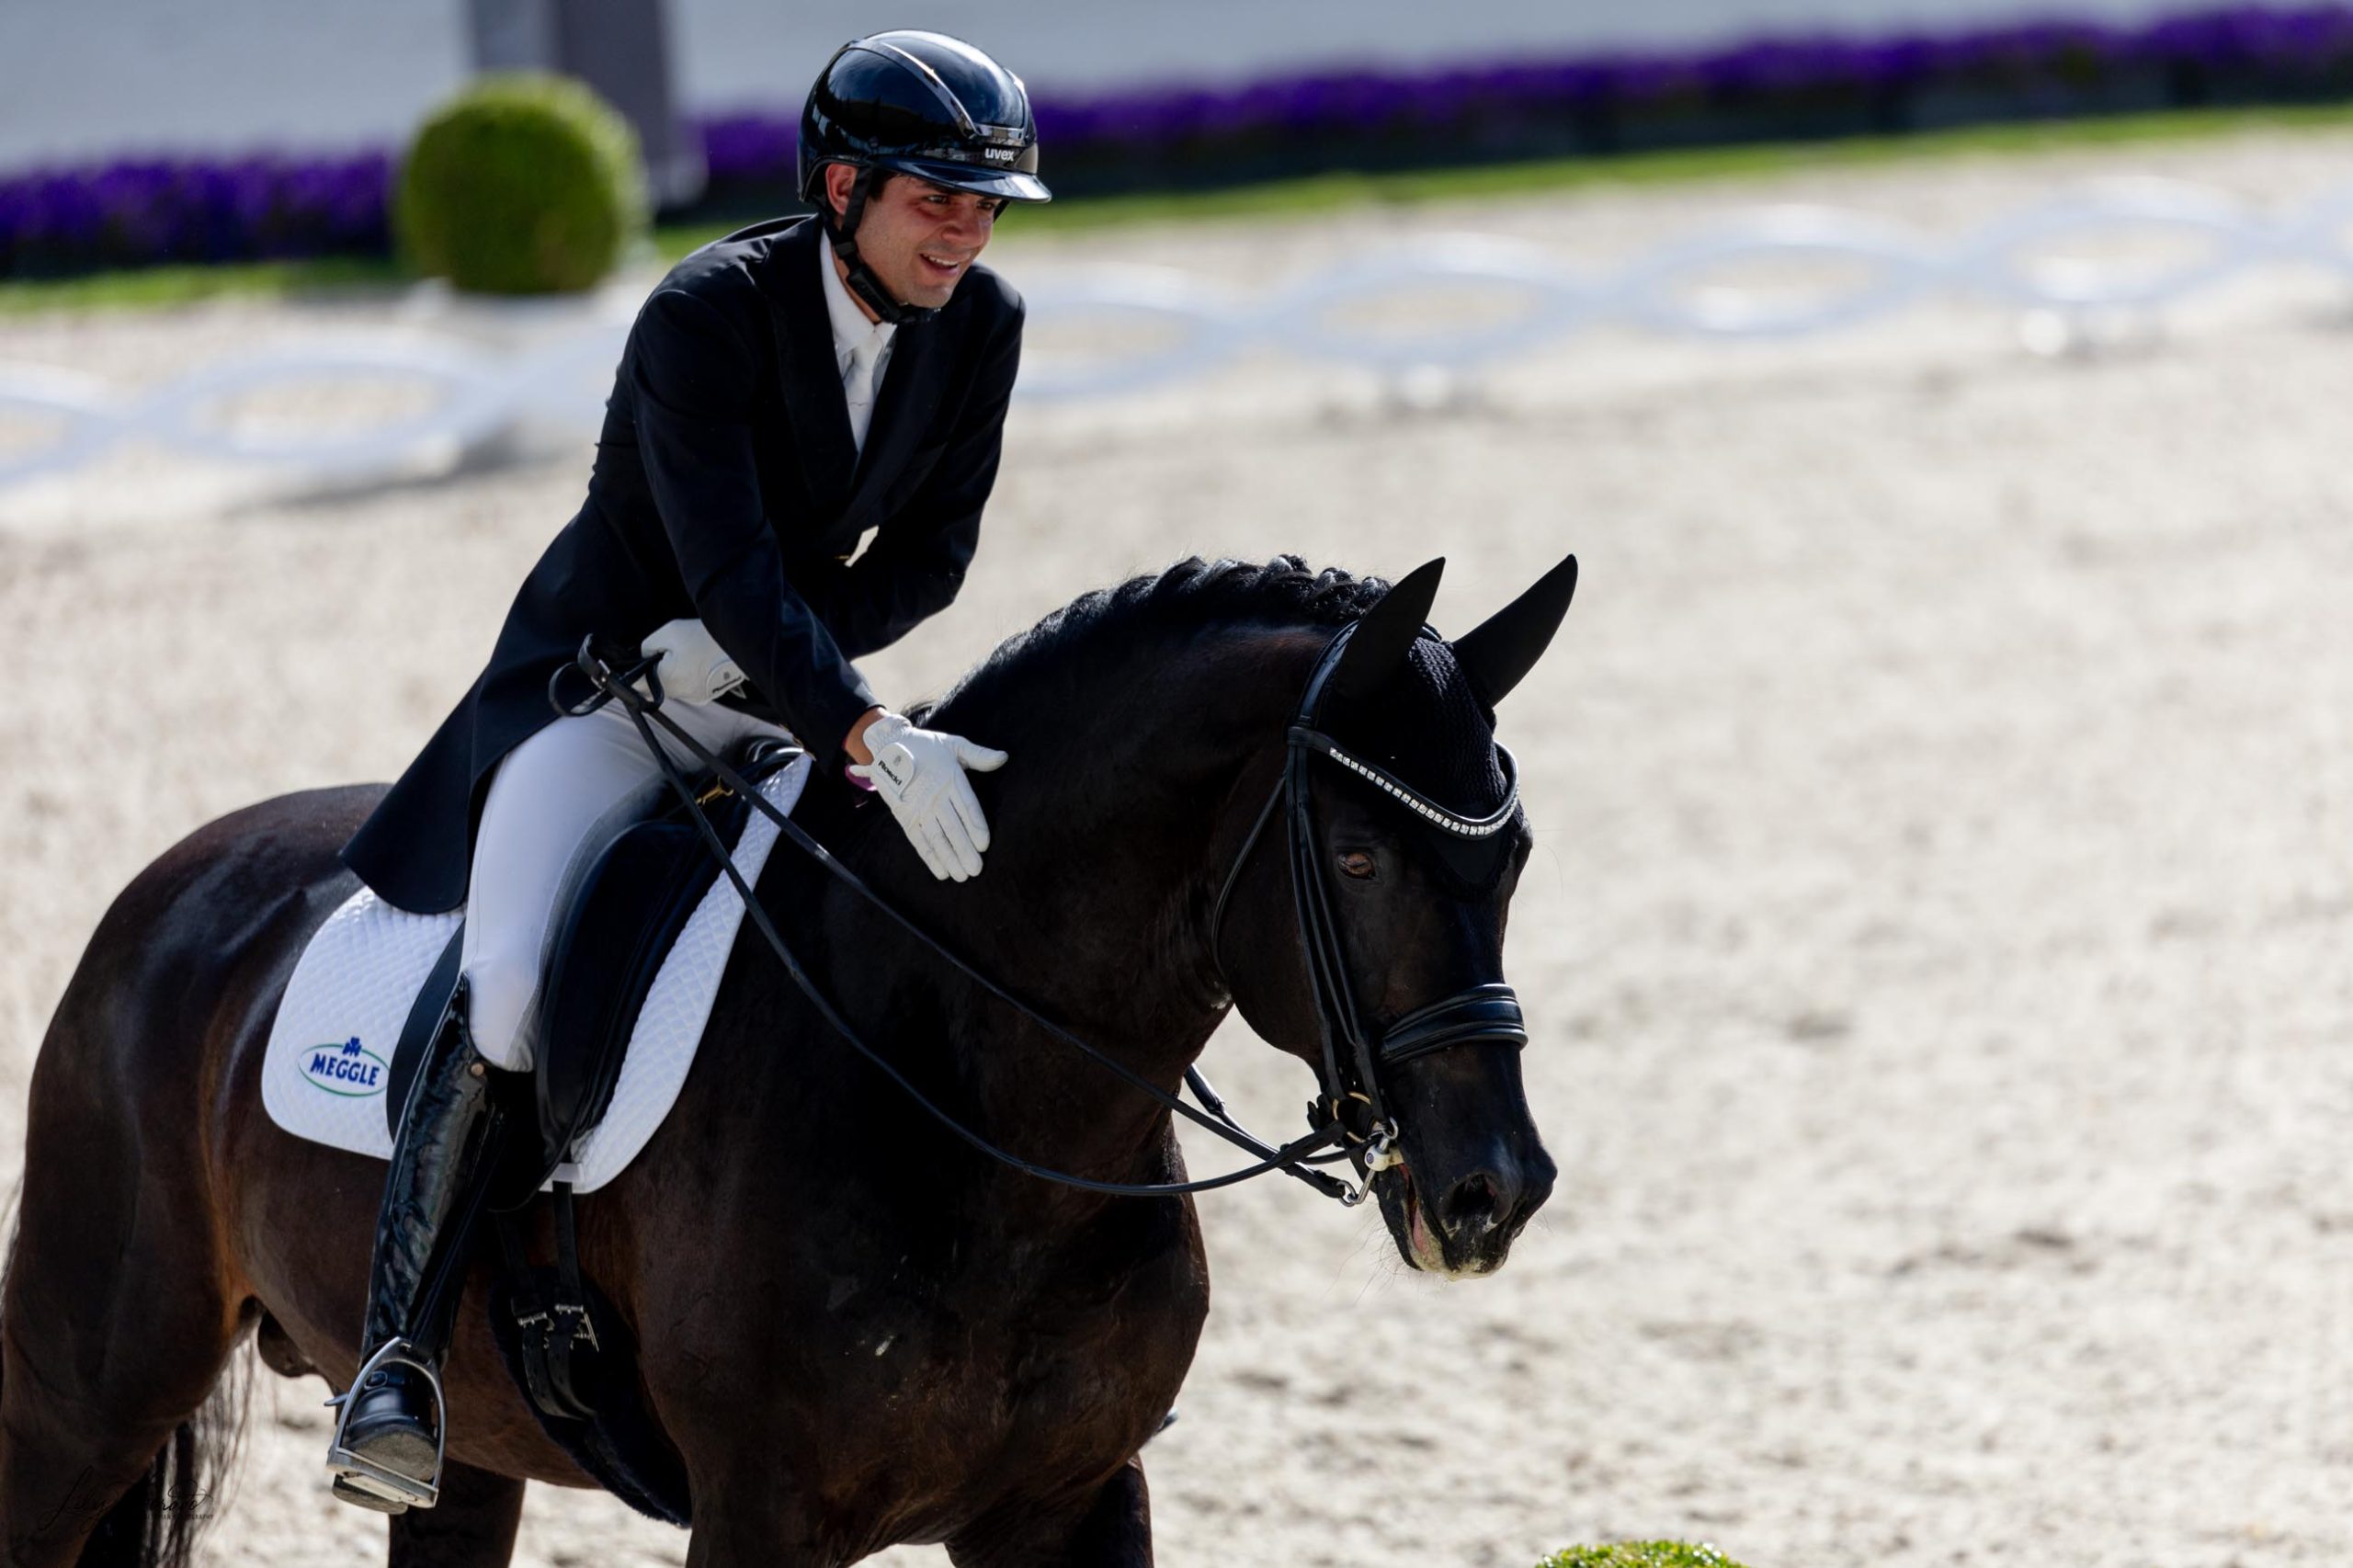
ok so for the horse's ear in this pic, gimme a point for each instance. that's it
(1376, 649)
(1505, 646)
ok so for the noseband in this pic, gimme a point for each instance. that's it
(1355, 1056)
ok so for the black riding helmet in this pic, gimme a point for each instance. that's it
(920, 104)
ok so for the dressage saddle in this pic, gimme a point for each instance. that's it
(630, 888)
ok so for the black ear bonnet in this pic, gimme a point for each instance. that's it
(1429, 726)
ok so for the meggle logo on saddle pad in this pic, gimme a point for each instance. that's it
(351, 1070)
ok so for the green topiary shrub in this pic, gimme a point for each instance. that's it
(522, 184)
(1640, 1555)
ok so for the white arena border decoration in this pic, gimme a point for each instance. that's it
(561, 380)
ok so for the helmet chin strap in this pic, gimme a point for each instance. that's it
(843, 231)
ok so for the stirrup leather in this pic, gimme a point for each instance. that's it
(366, 1475)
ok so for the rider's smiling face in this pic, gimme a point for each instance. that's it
(918, 237)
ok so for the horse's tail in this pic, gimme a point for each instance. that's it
(157, 1523)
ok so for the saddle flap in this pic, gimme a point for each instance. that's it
(624, 907)
(633, 900)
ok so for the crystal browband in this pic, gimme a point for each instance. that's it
(1390, 784)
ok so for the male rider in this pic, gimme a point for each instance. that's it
(783, 391)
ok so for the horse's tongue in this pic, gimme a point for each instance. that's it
(1417, 1232)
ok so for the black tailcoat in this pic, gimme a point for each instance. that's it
(727, 487)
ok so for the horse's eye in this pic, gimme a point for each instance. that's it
(1356, 863)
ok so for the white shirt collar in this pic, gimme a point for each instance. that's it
(850, 325)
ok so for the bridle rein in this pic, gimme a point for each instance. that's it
(1349, 1081)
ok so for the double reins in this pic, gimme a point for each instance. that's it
(1350, 1070)
(613, 683)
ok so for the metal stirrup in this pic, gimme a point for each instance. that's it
(364, 1474)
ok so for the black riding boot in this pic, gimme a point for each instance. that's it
(388, 1441)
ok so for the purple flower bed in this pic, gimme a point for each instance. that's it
(58, 221)
(66, 220)
(1770, 89)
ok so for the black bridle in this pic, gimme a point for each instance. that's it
(1488, 1013)
(1353, 1057)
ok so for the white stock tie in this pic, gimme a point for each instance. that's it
(857, 389)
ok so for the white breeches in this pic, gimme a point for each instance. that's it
(545, 798)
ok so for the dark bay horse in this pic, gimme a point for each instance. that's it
(856, 1330)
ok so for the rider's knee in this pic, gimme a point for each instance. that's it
(499, 1003)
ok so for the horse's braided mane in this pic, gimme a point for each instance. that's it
(1194, 594)
(1437, 735)
(1188, 597)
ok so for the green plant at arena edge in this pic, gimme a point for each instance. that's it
(1640, 1555)
(523, 184)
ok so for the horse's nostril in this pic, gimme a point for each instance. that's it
(1474, 1205)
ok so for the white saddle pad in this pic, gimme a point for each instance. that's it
(331, 1047)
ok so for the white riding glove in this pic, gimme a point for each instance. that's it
(920, 775)
(694, 667)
